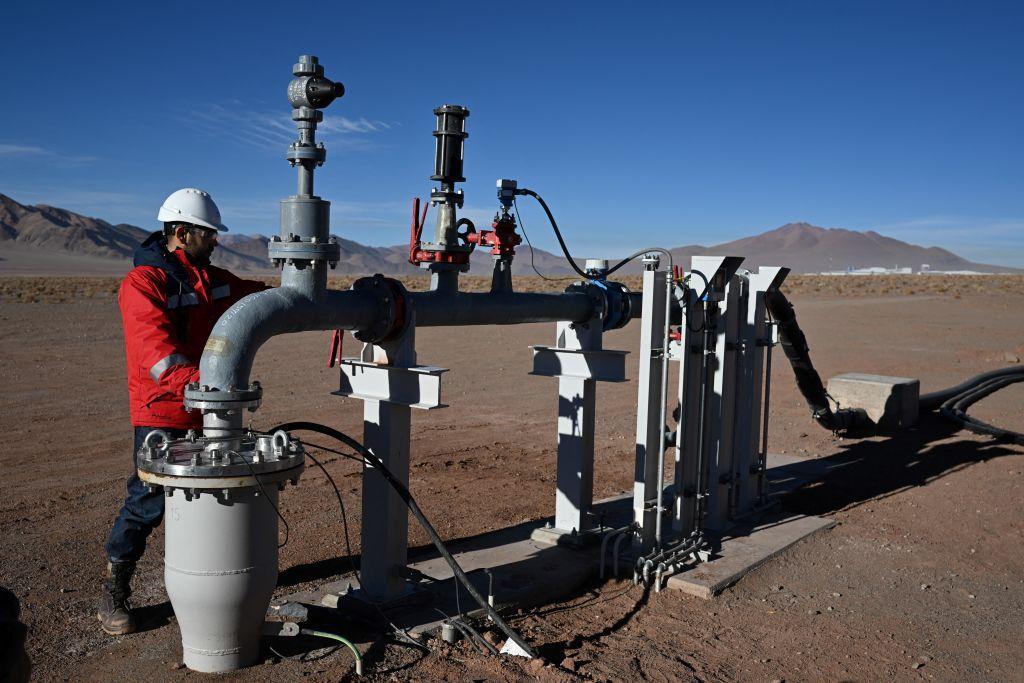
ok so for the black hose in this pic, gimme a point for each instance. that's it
(955, 408)
(935, 399)
(952, 403)
(794, 345)
(403, 493)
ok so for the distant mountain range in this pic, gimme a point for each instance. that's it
(44, 239)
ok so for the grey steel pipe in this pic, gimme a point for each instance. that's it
(246, 326)
(434, 309)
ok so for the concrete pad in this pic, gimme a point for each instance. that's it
(891, 402)
(528, 572)
(744, 550)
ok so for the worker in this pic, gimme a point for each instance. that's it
(169, 303)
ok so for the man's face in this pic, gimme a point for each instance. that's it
(198, 243)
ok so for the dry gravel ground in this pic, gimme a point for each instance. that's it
(922, 578)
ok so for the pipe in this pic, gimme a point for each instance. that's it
(435, 309)
(615, 552)
(604, 544)
(246, 326)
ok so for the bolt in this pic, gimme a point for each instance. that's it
(204, 388)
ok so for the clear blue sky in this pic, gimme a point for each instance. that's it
(660, 123)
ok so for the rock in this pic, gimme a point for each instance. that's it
(175, 666)
(813, 612)
(925, 586)
(917, 665)
(1011, 357)
(777, 588)
(568, 663)
(837, 595)
(534, 666)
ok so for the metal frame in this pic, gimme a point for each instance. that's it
(579, 362)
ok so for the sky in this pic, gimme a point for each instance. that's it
(641, 124)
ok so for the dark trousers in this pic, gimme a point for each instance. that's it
(142, 510)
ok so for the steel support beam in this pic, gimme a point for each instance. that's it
(650, 404)
(579, 362)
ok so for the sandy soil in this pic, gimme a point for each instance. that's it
(922, 578)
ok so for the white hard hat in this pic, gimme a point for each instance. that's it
(190, 205)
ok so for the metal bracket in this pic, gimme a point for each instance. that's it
(602, 366)
(417, 387)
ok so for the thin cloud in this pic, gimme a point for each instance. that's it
(263, 130)
(17, 151)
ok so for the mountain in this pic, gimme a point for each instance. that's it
(50, 228)
(47, 240)
(805, 248)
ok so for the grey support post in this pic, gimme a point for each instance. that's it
(751, 410)
(650, 405)
(722, 300)
(390, 384)
(579, 361)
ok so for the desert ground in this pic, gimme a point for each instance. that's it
(922, 578)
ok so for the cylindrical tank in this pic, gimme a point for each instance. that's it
(220, 525)
(220, 569)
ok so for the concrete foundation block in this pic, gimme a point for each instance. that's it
(891, 402)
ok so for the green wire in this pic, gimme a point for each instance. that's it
(343, 641)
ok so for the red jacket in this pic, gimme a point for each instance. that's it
(168, 308)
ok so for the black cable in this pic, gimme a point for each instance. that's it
(955, 408)
(935, 399)
(515, 207)
(287, 531)
(401, 633)
(558, 233)
(638, 254)
(341, 504)
(414, 508)
(686, 313)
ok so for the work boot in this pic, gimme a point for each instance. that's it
(115, 615)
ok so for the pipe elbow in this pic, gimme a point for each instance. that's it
(239, 333)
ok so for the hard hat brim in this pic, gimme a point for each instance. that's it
(166, 215)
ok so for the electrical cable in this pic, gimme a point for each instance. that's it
(638, 254)
(955, 408)
(515, 207)
(287, 531)
(401, 633)
(344, 517)
(558, 233)
(340, 639)
(403, 492)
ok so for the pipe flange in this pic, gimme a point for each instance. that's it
(305, 152)
(304, 249)
(184, 462)
(195, 485)
(392, 297)
(611, 299)
(206, 398)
